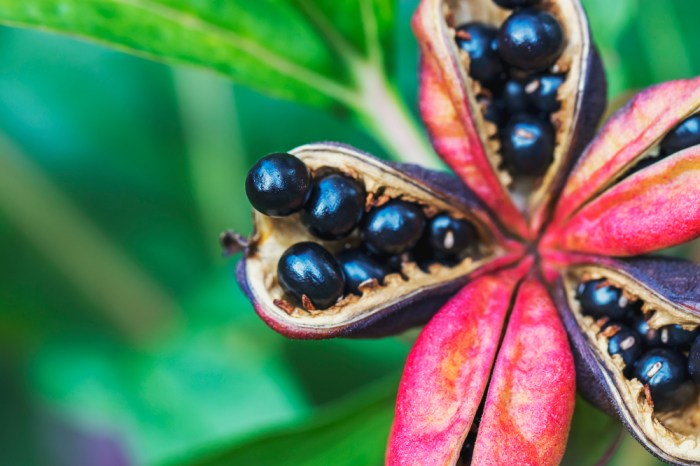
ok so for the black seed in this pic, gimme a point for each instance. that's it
(651, 338)
(309, 269)
(675, 336)
(335, 207)
(542, 92)
(393, 228)
(599, 300)
(278, 184)
(358, 267)
(513, 4)
(530, 40)
(665, 372)
(479, 41)
(514, 98)
(448, 237)
(396, 261)
(528, 145)
(686, 134)
(694, 361)
(627, 343)
(494, 110)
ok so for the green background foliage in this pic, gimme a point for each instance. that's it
(123, 337)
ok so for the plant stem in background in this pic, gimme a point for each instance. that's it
(387, 118)
(215, 152)
(115, 286)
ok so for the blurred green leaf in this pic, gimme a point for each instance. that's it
(293, 49)
(215, 380)
(352, 434)
(593, 436)
(330, 53)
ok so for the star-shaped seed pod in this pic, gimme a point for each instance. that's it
(528, 266)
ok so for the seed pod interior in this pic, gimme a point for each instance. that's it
(382, 183)
(575, 64)
(675, 431)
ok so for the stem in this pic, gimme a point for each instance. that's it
(387, 118)
(116, 286)
(215, 152)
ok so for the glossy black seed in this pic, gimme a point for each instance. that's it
(651, 338)
(528, 145)
(514, 98)
(393, 228)
(598, 300)
(358, 267)
(675, 336)
(278, 184)
(310, 269)
(479, 41)
(627, 343)
(448, 237)
(665, 372)
(513, 4)
(694, 361)
(335, 207)
(542, 92)
(530, 40)
(686, 134)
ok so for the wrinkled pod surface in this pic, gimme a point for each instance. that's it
(634, 327)
(380, 273)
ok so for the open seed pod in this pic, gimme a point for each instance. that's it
(662, 302)
(617, 199)
(550, 258)
(454, 105)
(420, 286)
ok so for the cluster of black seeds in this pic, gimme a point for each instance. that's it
(514, 64)
(332, 206)
(666, 360)
(686, 134)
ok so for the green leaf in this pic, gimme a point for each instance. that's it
(593, 436)
(292, 49)
(349, 435)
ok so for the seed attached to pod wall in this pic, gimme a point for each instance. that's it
(359, 267)
(478, 40)
(627, 343)
(308, 270)
(651, 338)
(675, 336)
(601, 300)
(528, 145)
(542, 93)
(335, 207)
(514, 98)
(448, 237)
(278, 184)
(664, 371)
(393, 228)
